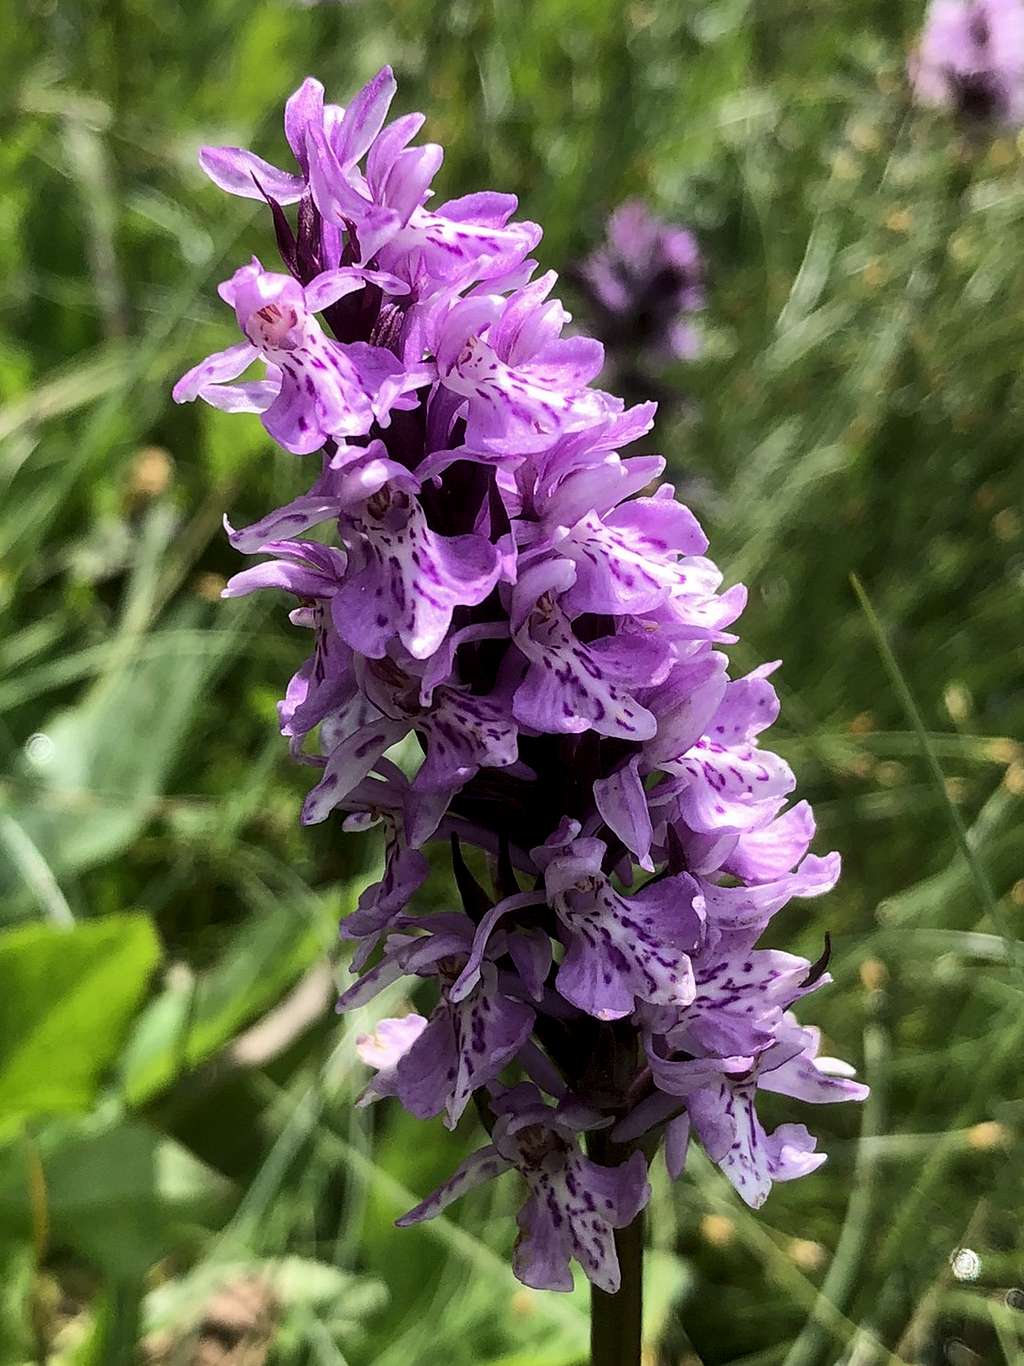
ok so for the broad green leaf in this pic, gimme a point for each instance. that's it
(122, 1197)
(66, 999)
(190, 1020)
(108, 757)
(110, 754)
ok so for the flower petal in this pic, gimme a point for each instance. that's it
(622, 802)
(237, 170)
(347, 765)
(304, 107)
(490, 1029)
(364, 117)
(481, 1166)
(222, 365)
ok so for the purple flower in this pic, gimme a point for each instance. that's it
(243, 173)
(776, 848)
(620, 950)
(571, 686)
(723, 781)
(971, 59)
(461, 733)
(517, 652)
(403, 578)
(462, 240)
(385, 1047)
(719, 1096)
(380, 905)
(739, 907)
(407, 579)
(573, 1204)
(315, 388)
(528, 384)
(466, 1041)
(621, 801)
(644, 282)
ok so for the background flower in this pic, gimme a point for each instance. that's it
(971, 59)
(643, 282)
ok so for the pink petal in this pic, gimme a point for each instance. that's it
(237, 170)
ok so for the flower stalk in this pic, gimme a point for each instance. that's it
(616, 1321)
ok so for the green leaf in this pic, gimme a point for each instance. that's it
(113, 1336)
(67, 999)
(121, 1197)
(667, 1280)
(112, 753)
(191, 1020)
(17, 1267)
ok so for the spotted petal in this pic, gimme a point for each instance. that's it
(738, 908)
(215, 369)
(771, 852)
(571, 687)
(464, 733)
(483, 1165)
(618, 949)
(490, 1028)
(752, 1160)
(572, 1213)
(411, 579)
(348, 764)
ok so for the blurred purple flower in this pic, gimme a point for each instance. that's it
(643, 283)
(971, 59)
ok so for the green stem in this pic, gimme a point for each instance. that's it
(616, 1320)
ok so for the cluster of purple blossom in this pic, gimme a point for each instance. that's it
(539, 614)
(642, 284)
(971, 59)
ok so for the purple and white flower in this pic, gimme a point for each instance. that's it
(466, 1041)
(644, 283)
(719, 1096)
(572, 1205)
(518, 651)
(971, 59)
(315, 388)
(620, 950)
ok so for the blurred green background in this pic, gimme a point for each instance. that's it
(183, 1178)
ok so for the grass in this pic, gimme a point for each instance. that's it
(180, 1151)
